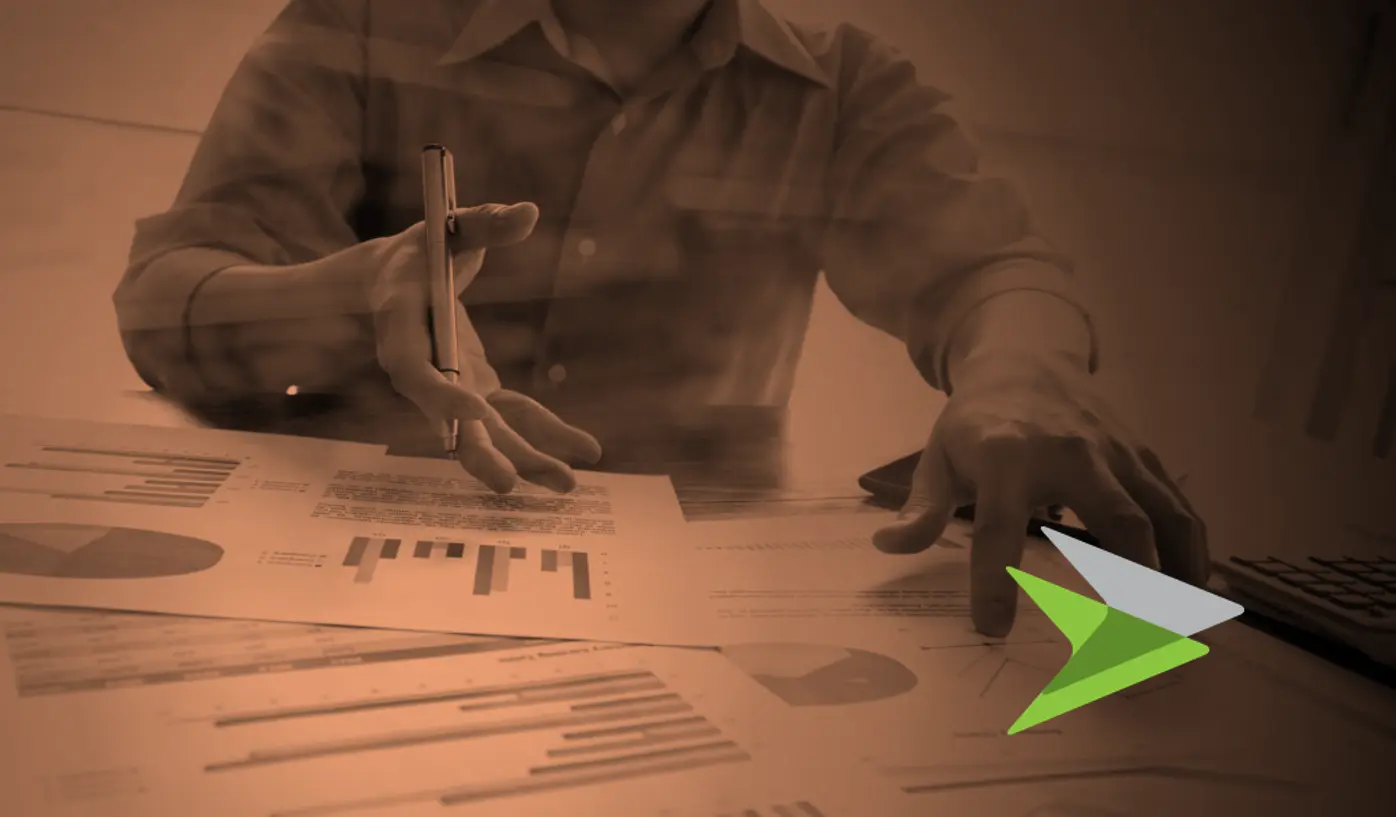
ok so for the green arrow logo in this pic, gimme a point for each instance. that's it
(1141, 630)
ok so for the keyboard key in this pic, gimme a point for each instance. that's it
(1268, 567)
(1386, 601)
(1351, 601)
(1324, 589)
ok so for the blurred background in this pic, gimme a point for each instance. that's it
(1219, 170)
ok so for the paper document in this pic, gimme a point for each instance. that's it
(314, 532)
(936, 718)
(578, 728)
(819, 577)
(66, 466)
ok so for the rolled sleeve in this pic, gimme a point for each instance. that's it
(917, 237)
(273, 182)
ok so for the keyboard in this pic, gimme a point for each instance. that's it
(1350, 599)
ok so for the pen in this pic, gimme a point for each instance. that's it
(439, 198)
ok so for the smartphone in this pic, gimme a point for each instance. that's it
(890, 487)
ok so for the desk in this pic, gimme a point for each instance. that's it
(1334, 734)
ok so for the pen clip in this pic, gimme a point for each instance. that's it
(448, 177)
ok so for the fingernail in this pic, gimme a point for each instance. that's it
(504, 485)
(994, 618)
(559, 482)
(895, 539)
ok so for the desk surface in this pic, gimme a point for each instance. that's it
(1340, 729)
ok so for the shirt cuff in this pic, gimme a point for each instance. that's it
(153, 307)
(931, 351)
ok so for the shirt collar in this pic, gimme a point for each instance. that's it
(728, 24)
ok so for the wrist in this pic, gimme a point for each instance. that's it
(1022, 329)
(993, 369)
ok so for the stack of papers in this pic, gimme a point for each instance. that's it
(217, 623)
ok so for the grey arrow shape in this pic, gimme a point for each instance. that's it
(1143, 592)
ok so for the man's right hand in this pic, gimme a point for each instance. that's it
(504, 435)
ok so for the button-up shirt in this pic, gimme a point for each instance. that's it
(684, 221)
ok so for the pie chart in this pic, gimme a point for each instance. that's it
(62, 551)
(820, 675)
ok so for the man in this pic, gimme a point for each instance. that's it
(677, 173)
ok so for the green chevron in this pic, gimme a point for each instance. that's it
(1110, 651)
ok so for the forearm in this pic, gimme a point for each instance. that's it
(1024, 323)
(206, 326)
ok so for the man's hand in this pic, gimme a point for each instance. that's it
(1023, 431)
(503, 435)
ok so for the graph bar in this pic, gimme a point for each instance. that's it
(442, 696)
(500, 580)
(177, 464)
(59, 449)
(117, 472)
(405, 739)
(484, 569)
(634, 728)
(390, 548)
(621, 760)
(121, 500)
(364, 574)
(549, 561)
(518, 553)
(151, 495)
(356, 551)
(455, 550)
(515, 700)
(423, 550)
(586, 777)
(616, 703)
(581, 576)
(636, 742)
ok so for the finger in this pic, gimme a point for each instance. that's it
(529, 462)
(545, 430)
(928, 508)
(1180, 530)
(1110, 511)
(492, 225)
(476, 452)
(1002, 510)
(438, 398)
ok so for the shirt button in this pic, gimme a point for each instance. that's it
(618, 124)
(557, 373)
(586, 247)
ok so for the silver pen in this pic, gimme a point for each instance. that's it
(439, 198)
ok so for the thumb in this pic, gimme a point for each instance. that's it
(927, 510)
(492, 225)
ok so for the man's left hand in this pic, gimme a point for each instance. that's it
(1023, 431)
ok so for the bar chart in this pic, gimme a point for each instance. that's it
(491, 568)
(55, 652)
(583, 730)
(119, 476)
